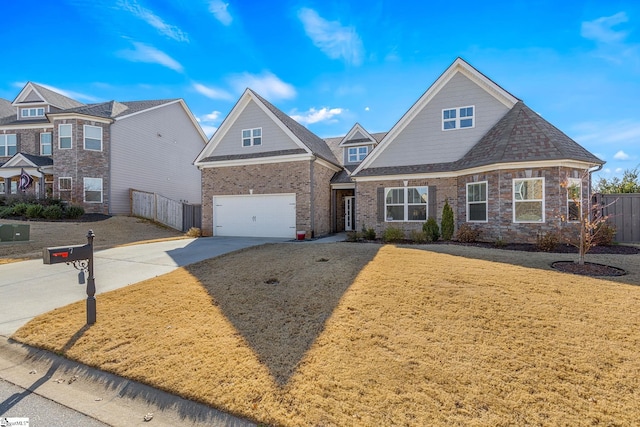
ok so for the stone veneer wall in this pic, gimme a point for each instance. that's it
(271, 178)
(500, 225)
(79, 163)
(321, 200)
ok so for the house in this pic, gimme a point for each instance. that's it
(501, 166)
(91, 155)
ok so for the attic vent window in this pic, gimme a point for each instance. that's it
(357, 154)
(32, 112)
(251, 137)
(458, 118)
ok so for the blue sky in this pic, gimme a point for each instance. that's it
(330, 64)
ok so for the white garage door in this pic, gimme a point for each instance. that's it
(256, 215)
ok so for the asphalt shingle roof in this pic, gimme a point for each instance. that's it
(114, 109)
(56, 99)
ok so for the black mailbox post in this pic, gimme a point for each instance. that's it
(81, 256)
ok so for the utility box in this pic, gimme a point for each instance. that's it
(14, 232)
(66, 254)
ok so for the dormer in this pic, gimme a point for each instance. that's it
(356, 145)
(35, 101)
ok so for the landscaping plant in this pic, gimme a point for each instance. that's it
(447, 224)
(431, 230)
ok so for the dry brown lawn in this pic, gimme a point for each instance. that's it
(113, 231)
(361, 334)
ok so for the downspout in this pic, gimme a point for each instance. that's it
(591, 170)
(311, 194)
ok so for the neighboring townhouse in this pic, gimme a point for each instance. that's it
(91, 155)
(501, 167)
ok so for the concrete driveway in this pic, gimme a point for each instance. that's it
(30, 288)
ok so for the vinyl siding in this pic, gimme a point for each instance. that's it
(423, 141)
(154, 151)
(273, 137)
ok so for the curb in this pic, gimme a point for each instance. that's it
(108, 398)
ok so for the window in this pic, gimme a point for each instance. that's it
(251, 137)
(406, 204)
(8, 145)
(92, 138)
(357, 154)
(528, 200)
(3, 186)
(14, 186)
(93, 190)
(458, 118)
(45, 144)
(477, 202)
(64, 136)
(32, 112)
(64, 188)
(574, 199)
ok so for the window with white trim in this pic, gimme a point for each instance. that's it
(93, 190)
(14, 185)
(458, 118)
(528, 200)
(92, 138)
(8, 145)
(406, 204)
(477, 202)
(574, 199)
(32, 112)
(64, 136)
(251, 137)
(357, 154)
(64, 187)
(45, 144)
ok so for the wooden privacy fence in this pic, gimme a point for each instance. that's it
(623, 211)
(174, 214)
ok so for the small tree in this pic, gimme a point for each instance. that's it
(588, 219)
(630, 183)
(447, 224)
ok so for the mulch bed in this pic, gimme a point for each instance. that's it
(588, 269)
(560, 249)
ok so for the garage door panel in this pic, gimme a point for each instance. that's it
(262, 215)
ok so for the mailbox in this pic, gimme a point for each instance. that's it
(66, 254)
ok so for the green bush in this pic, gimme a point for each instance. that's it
(447, 224)
(74, 212)
(34, 211)
(547, 242)
(466, 234)
(393, 234)
(604, 234)
(6, 211)
(20, 209)
(418, 236)
(52, 212)
(369, 234)
(353, 236)
(431, 230)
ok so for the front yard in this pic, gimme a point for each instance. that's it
(363, 334)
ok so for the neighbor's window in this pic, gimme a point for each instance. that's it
(477, 201)
(458, 118)
(8, 145)
(3, 186)
(64, 187)
(251, 137)
(406, 204)
(64, 136)
(574, 199)
(528, 200)
(357, 154)
(32, 112)
(45, 144)
(14, 185)
(92, 138)
(93, 190)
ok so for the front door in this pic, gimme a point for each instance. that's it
(349, 211)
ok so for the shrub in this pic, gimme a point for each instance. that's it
(431, 230)
(547, 242)
(52, 212)
(34, 211)
(447, 224)
(369, 234)
(604, 234)
(499, 243)
(6, 211)
(353, 236)
(20, 209)
(466, 234)
(194, 232)
(392, 234)
(74, 212)
(418, 236)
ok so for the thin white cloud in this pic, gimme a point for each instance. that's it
(208, 130)
(211, 117)
(155, 21)
(145, 53)
(267, 85)
(314, 116)
(621, 155)
(221, 12)
(601, 30)
(212, 93)
(334, 39)
(621, 133)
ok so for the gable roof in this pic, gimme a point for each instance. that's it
(6, 109)
(44, 95)
(24, 159)
(303, 137)
(520, 136)
(458, 66)
(115, 109)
